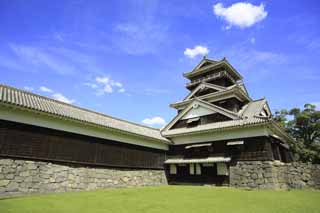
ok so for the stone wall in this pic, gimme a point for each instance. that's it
(22, 177)
(274, 175)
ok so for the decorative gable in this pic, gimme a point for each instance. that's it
(197, 111)
(203, 63)
(198, 108)
(206, 63)
(265, 112)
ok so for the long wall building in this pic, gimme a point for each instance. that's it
(217, 125)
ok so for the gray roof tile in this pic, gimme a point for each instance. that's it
(216, 126)
(253, 108)
(249, 115)
(23, 99)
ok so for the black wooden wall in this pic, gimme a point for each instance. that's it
(30, 142)
(256, 148)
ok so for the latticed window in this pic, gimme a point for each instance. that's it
(173, 169)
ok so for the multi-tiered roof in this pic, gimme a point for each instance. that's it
(218, 99)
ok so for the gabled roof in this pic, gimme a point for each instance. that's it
(254, 108)
(17, 98)
(249, 115)
(203, 62)
(202, 86)
(239, 123)
(198, 102)
(214, 64)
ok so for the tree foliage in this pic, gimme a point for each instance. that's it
(304, 126)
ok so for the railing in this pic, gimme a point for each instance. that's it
(211, 77)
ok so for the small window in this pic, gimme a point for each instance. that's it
(191, 169)
(193, 123)
(234, 143)
(222, 169)
(198, 169)
(173, 169)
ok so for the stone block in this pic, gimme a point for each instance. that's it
(254, 176)
(12, 187)
(25, 173)
(6, 161)
(4, 183)
(9, 176)
(31, 166)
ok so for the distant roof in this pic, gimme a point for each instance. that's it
(207, 65)
(23, 99)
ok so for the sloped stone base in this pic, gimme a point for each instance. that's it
(274, 175)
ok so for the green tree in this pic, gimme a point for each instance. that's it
(304, 126)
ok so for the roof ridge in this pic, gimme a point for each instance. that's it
(74, 106)
(212, 60)
(260, 99)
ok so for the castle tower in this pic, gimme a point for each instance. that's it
(217, 124)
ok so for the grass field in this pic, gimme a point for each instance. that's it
(177, 199)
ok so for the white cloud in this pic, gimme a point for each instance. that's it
(105, 85)
(56, 95)
(155, 121)
(121, 90)
(317, 104)
(93, 86)
(117, 84)
(241, 14)
(103, 80)
(45, 89)
(60, 97)
(28, 88)
(197, 50)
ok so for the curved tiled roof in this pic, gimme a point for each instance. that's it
(217, 126)
(213, 64)
(253, 108)
(31, 101)
(234, 89)
(248, 115)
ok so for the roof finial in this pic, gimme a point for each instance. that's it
(224, 58)
(205, 56)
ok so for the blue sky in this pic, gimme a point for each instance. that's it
(126, 58)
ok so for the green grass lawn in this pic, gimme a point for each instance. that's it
(177, 199)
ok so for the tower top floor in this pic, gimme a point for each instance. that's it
(219, 72)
